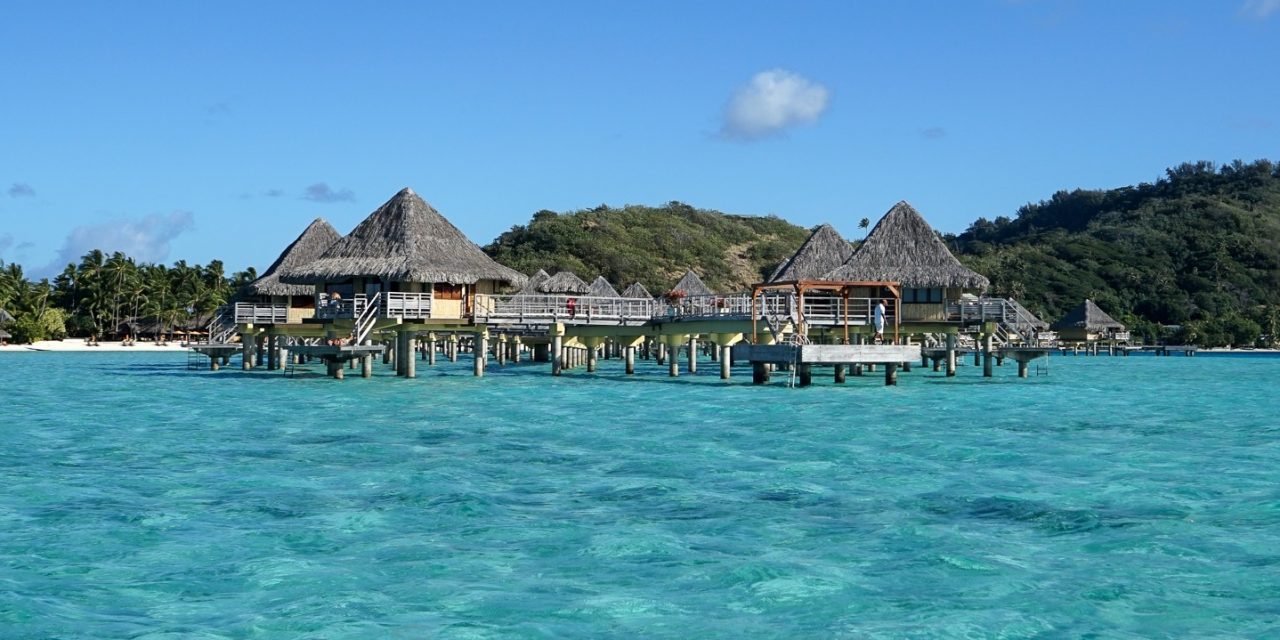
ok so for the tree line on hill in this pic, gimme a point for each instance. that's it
(1193, 257)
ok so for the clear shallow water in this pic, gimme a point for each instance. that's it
(1122, 497)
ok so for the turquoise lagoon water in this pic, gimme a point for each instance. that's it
(1114, 497)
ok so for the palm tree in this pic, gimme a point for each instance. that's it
(863, 224)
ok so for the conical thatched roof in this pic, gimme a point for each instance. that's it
(565, 282)
(637, 290)
(904, 248)
(533, 286)
(824, 251)
(5, 317)
(1088, 316)
(405, 240)
(5, 334)
(315, 239)
(600, 288)
(692, 285)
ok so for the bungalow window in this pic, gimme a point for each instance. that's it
(446, 291)
(922, 296)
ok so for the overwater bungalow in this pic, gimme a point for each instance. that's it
(600, 288)
(534, 285)
(565, 282)
(268, 300)
(904, 248)
(410, 260)
(824, 251)
(1089, 323)
(637, 291)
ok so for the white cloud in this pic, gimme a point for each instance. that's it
(322, 192)
(1260, 9)
(145, 239)
(771, 102)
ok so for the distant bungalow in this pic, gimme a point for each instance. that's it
(1089, 323)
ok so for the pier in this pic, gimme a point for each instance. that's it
(407, 286)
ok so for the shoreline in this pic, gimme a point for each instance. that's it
(77, 345)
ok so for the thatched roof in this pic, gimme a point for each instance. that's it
(824, 251)
(405, 240)
(600, 288)
(533, 286)
(904, 248)
(692, 285)
(565, 282)
(1088, 316)
(637, 290)
(5, 317)
(5, 334)
(313, 242)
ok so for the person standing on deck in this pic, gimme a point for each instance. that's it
(878, 322)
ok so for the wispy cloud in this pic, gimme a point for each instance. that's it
(1259, 9)
(21, 190)
(1249, 123)
(771, 102)
(322, 192)
(6, 241)
(145, 239)
(273, 193)
(933, 133)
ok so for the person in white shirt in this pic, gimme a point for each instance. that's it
(878, 322)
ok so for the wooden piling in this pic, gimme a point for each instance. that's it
(890, 374)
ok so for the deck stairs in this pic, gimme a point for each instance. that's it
(366, 319)
(223, 326)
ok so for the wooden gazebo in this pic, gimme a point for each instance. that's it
(842, 287)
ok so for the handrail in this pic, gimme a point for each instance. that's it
(367, 318)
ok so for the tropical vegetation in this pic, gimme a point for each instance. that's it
(111, 295)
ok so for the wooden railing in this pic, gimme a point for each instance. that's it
(259, 313)
(390, 304)
(536, 309)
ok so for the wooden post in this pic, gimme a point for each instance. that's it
(388, 351)
(662, 353)
(259, 348)
(806, 374)
(213, 362)
(273, 358)
(339, 371)
(366, 365)
(246, 348)
(1022, 368)
(987, 356)
(840, 374)
(906, 367)
(977, 351)
(890, 374)
(673, 361)
(453, 347)
(951, 355)
(592, 357)
(431, 349)
(725, 361)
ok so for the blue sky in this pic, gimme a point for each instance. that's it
(220, 130)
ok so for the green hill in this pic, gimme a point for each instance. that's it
(651, 245)
(1199, 249)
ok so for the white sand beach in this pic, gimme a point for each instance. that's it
(79, 344)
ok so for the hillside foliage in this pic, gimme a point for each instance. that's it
(650, 245)
(1193, 256)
